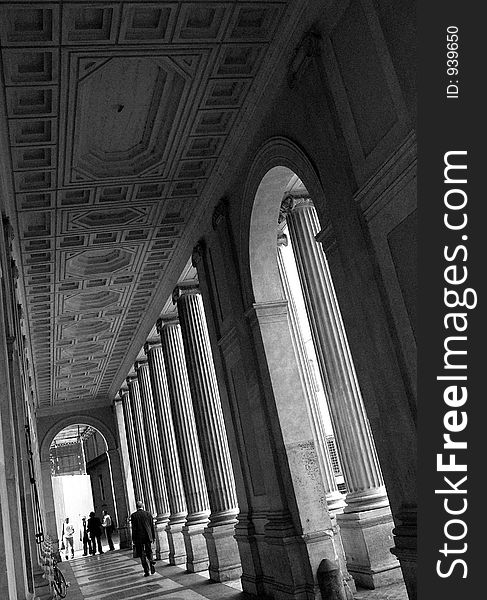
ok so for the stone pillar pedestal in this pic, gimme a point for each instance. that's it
(224, 561)
(368, 539)
(187, 445)
(177, 546)
(196, 547)
(366, 497)
(162, 541)
(222, 547)
(125, 536)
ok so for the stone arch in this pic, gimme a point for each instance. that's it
(112, 450)
(274, 163)
(73, 419)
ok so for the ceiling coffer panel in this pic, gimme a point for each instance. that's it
(118, 114)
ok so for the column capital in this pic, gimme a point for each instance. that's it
(282, 239)
(151, 344)
(293, 201)
(141, 362)
(185, 290)
(172, 319)
(130, 379)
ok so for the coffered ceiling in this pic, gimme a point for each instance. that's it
(117, 119)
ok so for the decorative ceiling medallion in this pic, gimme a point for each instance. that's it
(86, 327)
(94, 262)
(85, 301)
(126, 111)
(105, 217)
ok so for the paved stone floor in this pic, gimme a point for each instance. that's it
(117, 576)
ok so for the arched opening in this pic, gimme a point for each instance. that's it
(81, 475)
(287, 263)
(82, 483)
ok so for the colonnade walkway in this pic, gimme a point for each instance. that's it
(117, 576)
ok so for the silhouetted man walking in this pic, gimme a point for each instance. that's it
(143, 535)
(95, 529)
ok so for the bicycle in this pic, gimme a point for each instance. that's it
(59, 583)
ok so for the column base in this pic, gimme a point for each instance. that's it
(125, 537)
(42, 590)
(196, 550)
(367, 540)
(177, 548)
(405, 538)
(162, 542)
(335, 502)
(290, 561)
(248, 542)
(224, 559)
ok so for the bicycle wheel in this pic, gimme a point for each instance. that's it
(60, 583)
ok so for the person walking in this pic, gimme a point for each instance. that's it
(143, 535)
(68, 536)
(95, 530)
(108, 527)
(84, 537)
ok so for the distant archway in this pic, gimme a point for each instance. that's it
(74, 419)
(107, 490)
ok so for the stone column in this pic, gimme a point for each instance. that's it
(169, 453)
(222, 547)
(193, 477)
(124, 460)
(119, 496)
(366, 523)
(132, 445)
(156, 468)
(334, 498)
(141, 443)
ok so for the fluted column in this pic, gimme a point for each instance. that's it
(367, 499)
(141, 443)
(132, 445)
(156, 468)
(124, 460)
(193, 477)
(334, 498)
(222, 548)
(169, 453)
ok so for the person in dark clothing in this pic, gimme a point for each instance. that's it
(95, 530)
(143, 535)
(84, 537)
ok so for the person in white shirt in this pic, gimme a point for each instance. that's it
(108, 527)
(68, 536)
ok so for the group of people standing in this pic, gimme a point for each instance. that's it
(90, 533)
(91, 530)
